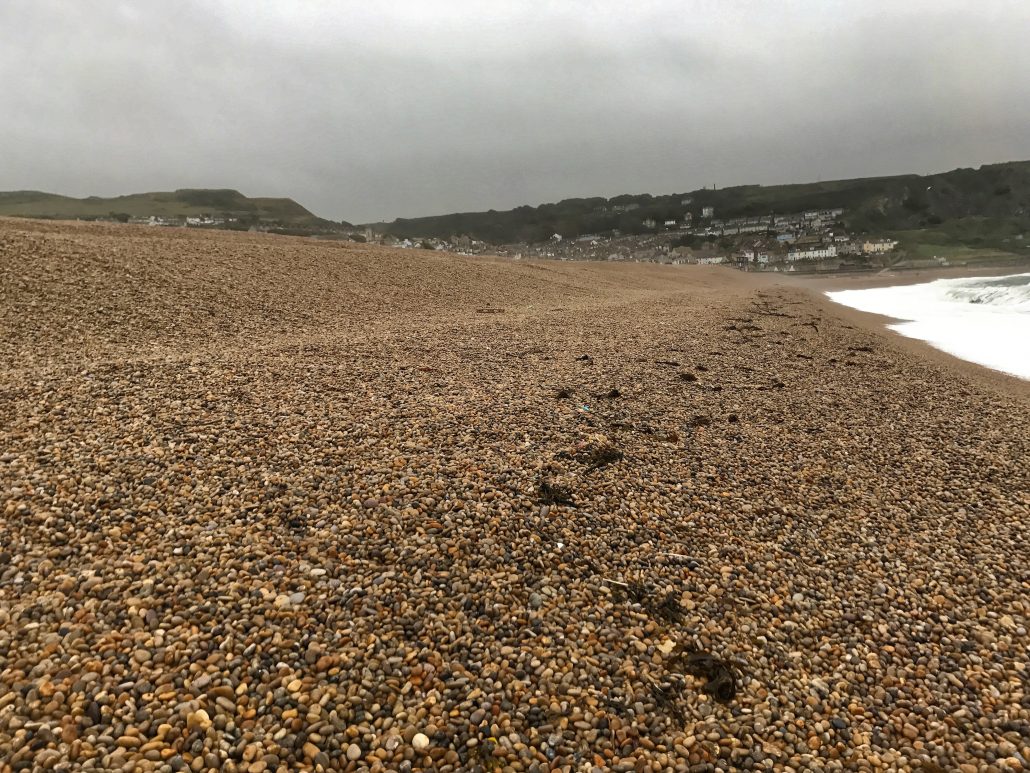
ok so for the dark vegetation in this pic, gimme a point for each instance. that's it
(974, 207)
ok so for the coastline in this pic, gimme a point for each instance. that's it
(888, 278)
(817, 287)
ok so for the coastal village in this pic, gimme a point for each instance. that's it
(800, 241)
(807, 241)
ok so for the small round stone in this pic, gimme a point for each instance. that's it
(420, 742)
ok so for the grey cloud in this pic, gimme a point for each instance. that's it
(363, 113)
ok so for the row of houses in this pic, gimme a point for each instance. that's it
(818, 251)
(179, 220)
(764, 254)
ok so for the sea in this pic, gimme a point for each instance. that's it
(985, 320)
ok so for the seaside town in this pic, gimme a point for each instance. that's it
(810, 240)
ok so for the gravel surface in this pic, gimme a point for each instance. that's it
(270, 504)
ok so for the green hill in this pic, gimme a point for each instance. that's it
(986, 207)
(186, 202)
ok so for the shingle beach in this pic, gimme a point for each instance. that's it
(275, 504)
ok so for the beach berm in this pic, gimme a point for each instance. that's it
(276, 504)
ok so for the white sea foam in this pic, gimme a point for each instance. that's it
(984, 320)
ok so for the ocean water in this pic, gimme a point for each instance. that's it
(984, 320)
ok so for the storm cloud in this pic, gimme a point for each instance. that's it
(367, 111)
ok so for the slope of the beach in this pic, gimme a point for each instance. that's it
(274, 504)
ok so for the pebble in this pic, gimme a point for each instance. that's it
(198, 720)
(420, 742)
(249, 521)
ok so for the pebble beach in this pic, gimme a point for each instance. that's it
(277, 504)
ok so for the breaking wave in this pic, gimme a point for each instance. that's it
(1006, 292)
(984, 320)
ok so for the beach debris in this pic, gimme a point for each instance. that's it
(602, 456)
(666, 606)
(682, 559)
(666, 697)
(670, 363)
(766, 308)
(623, 589)
(489, 310)
(720, 675)
(669, 608)
(596, 451)
(584, 358)
(563, 394)
(611, 394)
(700, 421)
(687, 376)
(553, 493)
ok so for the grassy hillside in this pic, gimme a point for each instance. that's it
(185, 202)
(987, 207)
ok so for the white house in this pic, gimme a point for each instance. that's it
(754, 254)
(812, 252)
(707, 211)
(870, 246)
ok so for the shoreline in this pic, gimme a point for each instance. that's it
(888, 278)
(816, 289)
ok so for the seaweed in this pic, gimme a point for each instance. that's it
(720, 675)
(552, 493)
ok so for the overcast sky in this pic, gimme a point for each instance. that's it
(374, 110)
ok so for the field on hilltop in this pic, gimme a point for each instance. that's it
(185, 202)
